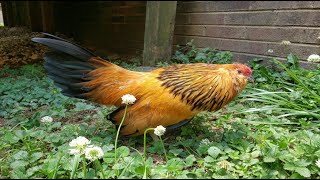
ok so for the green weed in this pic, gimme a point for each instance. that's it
(262, 134)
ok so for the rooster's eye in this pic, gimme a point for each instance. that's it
(239, 71)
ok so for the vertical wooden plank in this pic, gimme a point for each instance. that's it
(22, 13)
(13, 18)
(160, 19)
(35, 15)
(15, 13)
(48, 24)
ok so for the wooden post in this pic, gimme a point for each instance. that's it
(158, 35)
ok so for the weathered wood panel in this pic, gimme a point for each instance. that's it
(257, 33)
(254, 47)
(259, 18)
(251, 27)
(230, 6)
(159, 29)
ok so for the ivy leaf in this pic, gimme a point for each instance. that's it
(156, 147)
(176, 152)
(175, 164)
(18, 164)
(303, 171)
(107, 148)
(214, 151)
(21, 155)
(50, 164)
(262, 79)
(91, 174)
(53, 138)
(18, 174)
(200, 56)
(293, 60)
(109, 157)
(289, 166)
(20, 133)
(75, 164)
(33, 170)
(302, 163)
(80, 106)
(190, 160)
(35, 156)
(40, 134)
(65, 162)
(209, 159)
(268, 159)
(123, 151)
(118, 166)
(255, 154)
(11, 138)
(317, 153)
(56, 125)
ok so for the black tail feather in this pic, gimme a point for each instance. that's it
(67, 65)
(65, 47)
(46, 35)
(55, 58)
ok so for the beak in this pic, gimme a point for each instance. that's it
(250, 79)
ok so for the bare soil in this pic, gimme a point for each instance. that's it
(17, 49)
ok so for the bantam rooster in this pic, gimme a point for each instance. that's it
(169, 96)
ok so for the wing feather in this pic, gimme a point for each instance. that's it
(202, 86)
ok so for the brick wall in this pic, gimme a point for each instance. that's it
(106, 26)
(128, 23)
(88, 22)
(250, 28)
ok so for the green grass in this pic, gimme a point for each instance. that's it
(1, 24)
(262, 134)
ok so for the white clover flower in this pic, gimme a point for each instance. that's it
(128, 99)
(270, 50)
(93, 153)
(159, 130)
(79, 142)
(284, 42)
(224, 164)
(79, 145)
(318, 163)
(46, 119)
(74, 151)
(205, 141)
(314, 58)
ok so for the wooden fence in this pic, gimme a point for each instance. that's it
(248, 29)
(251, 28)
